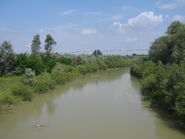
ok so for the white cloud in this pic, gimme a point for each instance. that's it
(132, 39)
(145, 18)
(178, 17)
(68, 12)
(142, 21)
(89, 31)
(174, 4)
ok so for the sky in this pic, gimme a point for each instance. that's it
(83, 25)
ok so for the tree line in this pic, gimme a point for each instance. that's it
(16, 64)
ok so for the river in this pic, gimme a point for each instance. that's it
(102, 105)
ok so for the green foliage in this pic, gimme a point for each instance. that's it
(65, 60)
(29, 77)
(97, 53)
(171, 47)
(61, 77)
(49, 62)
(174, 27)
(102, 63)
(25, 61)
(7, 58)
(23, 91)
(78, 60)
(92, 67)
(35, 46)
(115, 61)
(143, 69)
(44, 83)
(159, 50)
(68, 68)
(82, 69)
(8, 98)
(49, 42)
(164, 85)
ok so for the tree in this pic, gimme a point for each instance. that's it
(97, 53)
(7, 58)
(171, 47)
(35, 46)
(49, 42)
(174, 27)
(24, 61)
(160, 51)
(178, 49)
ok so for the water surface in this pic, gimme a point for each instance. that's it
(103, 105)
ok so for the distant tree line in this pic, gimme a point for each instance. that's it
(39, 62)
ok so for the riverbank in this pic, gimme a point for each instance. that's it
(163, 87)
(14, 91)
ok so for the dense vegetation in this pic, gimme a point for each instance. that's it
(25, 75)
(163, 72)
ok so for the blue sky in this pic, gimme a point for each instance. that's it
(88, 24)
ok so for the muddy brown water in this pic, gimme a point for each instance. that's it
(102, 105)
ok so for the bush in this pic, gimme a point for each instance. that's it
(62, 68)
(143, 69)
(23, 91)
(65, 60)
(92, 67)
(49, 62)
(58, 68)
(8, 98)
(68, 68)
(44, 83)
(164, 86)
(82, 69)
(29, 77)
(24, 61)
(61, 77)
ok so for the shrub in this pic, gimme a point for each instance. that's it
(61, 77)
(29, 77)
(82, 69)
(143, 69)
(68, 68)
(24, 61)
(92, 67)
(7, 98)
(65, 60)
(44, 83)
(23, 91)
(58, 68)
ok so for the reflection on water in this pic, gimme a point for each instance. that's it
(103, 105)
